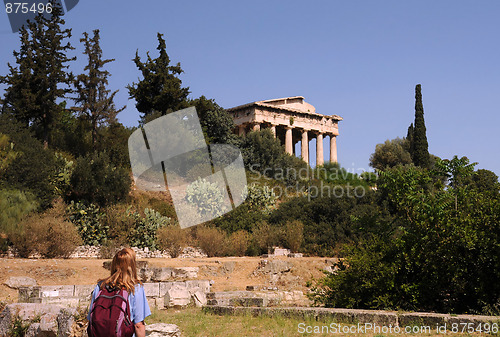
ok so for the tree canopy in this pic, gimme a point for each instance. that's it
(160, 89)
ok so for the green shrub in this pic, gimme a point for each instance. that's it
(172, 239)
(143, 234)
(14, 205)
(89, 222)
(7, 153)
(33, 170)
(243, 217)
(119, 223)
(96, 180)
(260, 197)
(206, 196)
(263, 153)
(62, 179)
(48, 234)
(18, 328)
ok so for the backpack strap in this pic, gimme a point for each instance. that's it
(126, 305)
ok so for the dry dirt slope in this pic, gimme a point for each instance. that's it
(87, 271)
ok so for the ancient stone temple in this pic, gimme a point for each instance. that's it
(291, 119)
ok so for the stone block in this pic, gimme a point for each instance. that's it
(177, 296)
(66, 322)
(145, 274)
(62, 301)
(200, 298)
(185, 272)
(204, 285)
(160, 302)
(57, 291)
(165, 286)
(17, 282)
(48, 325)
(248, 302)
(161, 274)
(162, 330)
(84, 291)
(33, 330)
(25, 294)
(152, 289)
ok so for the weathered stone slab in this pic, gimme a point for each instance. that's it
(66, 321)
(62, 301)
(204, 285)
(28, 292)
(57, 291)
(185, 272)
(17, 282)
(162, 274)
(152, 289)
(84, 291)
(248, 302)
(200, 298)
(177, 296)
(165, 286)
(162, 330)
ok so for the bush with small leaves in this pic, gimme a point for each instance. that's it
(89, 222)
(260, 197)
(96, 180)
(206, 196)
(144, 231)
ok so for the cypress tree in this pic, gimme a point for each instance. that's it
(409, 139)
(420, 147)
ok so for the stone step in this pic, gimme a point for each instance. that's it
(240, 302)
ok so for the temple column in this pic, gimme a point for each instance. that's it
(273, 129)
(241, 130)
(288, 140)
(256, 127)
(333, 149)
(319, 149)
(304, 153)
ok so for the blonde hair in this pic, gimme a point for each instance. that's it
(123, 271)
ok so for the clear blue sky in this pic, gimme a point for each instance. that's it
(358, 59)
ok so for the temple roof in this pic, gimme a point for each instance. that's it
(292, 104)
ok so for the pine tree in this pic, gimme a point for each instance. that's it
(160, 90)
(41, 76)
(420, 147)
(95, 100)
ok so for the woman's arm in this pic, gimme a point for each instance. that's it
(140, 329)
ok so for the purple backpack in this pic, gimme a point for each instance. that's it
(110, 314)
